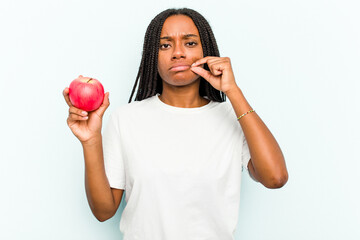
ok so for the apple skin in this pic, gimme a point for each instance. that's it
(86, 93)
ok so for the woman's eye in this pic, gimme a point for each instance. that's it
(192, 43)
(164, 45)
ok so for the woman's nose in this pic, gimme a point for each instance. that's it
(178, 52)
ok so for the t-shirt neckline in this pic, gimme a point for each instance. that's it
(181, 109)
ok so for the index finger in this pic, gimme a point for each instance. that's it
(66, 96)
(201, 61)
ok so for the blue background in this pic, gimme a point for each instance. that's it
(297, 63)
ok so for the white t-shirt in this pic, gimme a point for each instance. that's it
(180, 167)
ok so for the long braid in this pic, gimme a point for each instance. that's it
(148, 62)
(150, 81)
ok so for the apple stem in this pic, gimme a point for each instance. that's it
(89, 80)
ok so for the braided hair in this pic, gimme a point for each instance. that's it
(150, 80)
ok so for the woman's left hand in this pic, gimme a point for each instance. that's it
(220, 76)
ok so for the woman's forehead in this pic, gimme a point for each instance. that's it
(178, 25)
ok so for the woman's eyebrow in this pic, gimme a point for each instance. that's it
(184, 36)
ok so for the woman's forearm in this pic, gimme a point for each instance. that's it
(97, 186)
(266, 155)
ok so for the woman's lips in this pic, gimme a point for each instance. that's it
(180, 68)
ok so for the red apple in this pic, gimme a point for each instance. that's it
(86, 93)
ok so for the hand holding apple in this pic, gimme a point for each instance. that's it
(86, 126)
(86, 93)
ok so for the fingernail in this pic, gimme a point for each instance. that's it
(84, 113)
(193, 64)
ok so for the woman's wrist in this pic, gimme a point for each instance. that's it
(92, 141)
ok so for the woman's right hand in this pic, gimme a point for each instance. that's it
(86, 129)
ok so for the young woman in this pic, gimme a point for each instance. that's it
(179, 149)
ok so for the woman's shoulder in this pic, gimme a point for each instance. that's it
(132, 107)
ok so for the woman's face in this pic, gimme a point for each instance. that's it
(180, 46)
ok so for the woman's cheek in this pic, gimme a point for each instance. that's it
(195, 59)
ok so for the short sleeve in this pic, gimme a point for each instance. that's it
(246, 157)
(113, 153)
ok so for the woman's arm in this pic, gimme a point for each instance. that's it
(266, 157)
(98, 191)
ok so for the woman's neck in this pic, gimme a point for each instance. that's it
(183, 100)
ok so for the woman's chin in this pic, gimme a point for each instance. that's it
(183, 81)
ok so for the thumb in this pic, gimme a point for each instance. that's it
(205, 74)
(100, 111)
(202, 72)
